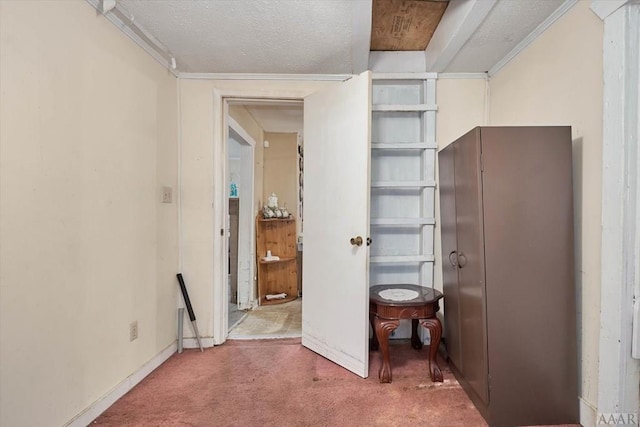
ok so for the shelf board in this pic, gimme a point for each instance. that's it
(282, 259)
(405, 184)
(398, 259)
(403, 146)
(403, 221)
(276, 219)
(404, 107)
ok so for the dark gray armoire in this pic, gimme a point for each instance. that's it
(506, 204)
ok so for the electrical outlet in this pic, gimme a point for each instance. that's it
(133, 330)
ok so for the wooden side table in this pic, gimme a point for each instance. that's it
(390, 303)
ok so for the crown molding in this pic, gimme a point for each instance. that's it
(467, 76)
(253, 76)
(116, 15)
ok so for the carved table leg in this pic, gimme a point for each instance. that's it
(435, 330)
(416, 342)
(384, 327)
(373, 345)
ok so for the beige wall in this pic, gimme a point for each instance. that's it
(281, 170)
(558, 80)
(461, 107)
(88, 137)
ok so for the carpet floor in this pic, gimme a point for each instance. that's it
(281, 383)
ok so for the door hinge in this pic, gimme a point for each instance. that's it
(222, 232)
(481, 162)
(635, 328)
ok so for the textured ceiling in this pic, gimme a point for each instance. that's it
(278, 118)
(506, 25)
(312, 37)
(256, 36)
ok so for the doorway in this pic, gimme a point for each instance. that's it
(337, 120)
(277, 172)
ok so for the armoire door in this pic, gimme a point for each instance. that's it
(470, 259)
(449, 255)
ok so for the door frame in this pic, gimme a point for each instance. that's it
(619, 341)
(246, 243)
(270, 92)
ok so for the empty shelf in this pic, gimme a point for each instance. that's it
(405, 184)
(395, 259)
(403, 146)
(404, 107)
(402, 221)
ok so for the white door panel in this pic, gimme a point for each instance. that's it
(335, 304)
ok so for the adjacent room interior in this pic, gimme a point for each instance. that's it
(265, 275)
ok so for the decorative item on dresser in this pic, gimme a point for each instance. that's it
(506, 204)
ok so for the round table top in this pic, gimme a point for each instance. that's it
(405, 294)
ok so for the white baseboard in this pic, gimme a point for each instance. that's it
(193, 342)
(588, 414)
(92, 412)
(248, 305)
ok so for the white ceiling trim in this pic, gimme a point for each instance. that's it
(557, 14)
(460, 20)
(361, 13)
(139, 35)
(252, 76)
(467, 76)
(272, 102)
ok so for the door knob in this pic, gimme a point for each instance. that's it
(462, 260)
(356, 241)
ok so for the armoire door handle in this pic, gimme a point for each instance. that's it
(462, 260)
(453, 258)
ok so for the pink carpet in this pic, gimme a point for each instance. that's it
(281, 383)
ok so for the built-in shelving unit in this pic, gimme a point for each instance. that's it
(276, 276)
(403, 152)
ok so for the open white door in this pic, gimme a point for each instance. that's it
(335, 286)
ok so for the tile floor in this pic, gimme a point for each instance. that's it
(235, 315)
(270, 321)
